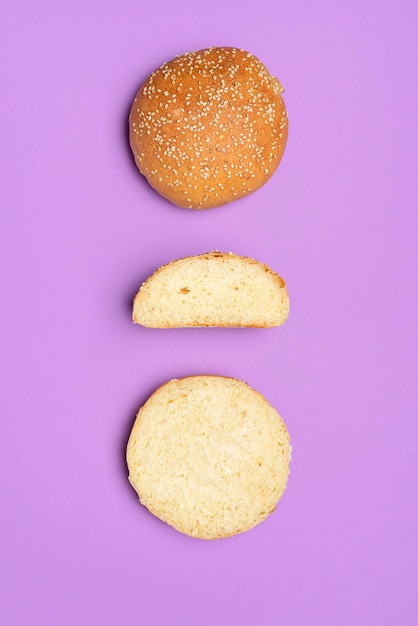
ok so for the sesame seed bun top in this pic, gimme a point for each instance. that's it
(208, 127)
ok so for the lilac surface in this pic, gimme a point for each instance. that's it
(79, 232)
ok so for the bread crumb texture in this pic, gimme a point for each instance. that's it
(208, 127)
(209, 456)
(213, 289)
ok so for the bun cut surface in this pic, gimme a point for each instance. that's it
(213, 289)
(209, 456)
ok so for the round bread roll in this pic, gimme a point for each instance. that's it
(208, 127)
(209, 456)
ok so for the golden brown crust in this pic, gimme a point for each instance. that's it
(208, 127)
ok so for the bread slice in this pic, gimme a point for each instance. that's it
(213, 289)
(209, 456)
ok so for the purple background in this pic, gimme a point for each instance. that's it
(80, 230)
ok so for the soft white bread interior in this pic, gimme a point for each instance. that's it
(209, 455)
(213, 289)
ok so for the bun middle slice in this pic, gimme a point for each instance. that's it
(213, 289)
